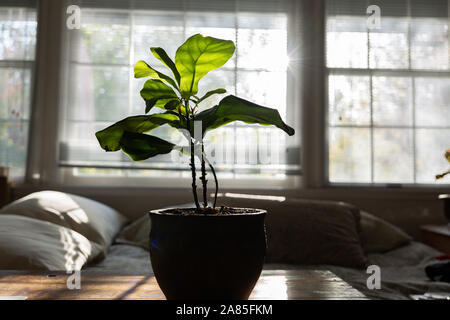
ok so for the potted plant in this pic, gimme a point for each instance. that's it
(201, 252)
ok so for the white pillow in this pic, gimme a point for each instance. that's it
(94, 220)
(378, 235)
(30, 244)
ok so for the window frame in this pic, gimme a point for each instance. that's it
(49, 97)
(372, 72)
(42, 167)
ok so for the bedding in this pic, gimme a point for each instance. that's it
(94, 220)
(31, 244)
(378, 235)
(402, 273)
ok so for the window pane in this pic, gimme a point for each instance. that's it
(431, 145)
(347, 42)
(349, 100)
(349, 155)
(103, 38)
(393, 156)
(17, 34)
(157, 30)
(216, 79)
(392, 101)
(17, 47)
(432, 101)
(429, 44)
(262, 42)
(389, 45)
(98, 93)
(15, 93)
(265, 88)
(13, 144)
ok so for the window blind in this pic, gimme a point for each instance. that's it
(101, 89)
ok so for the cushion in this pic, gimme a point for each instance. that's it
(379, 236)
(298, 231)
(309, 231)
(31, 244)
(137, 233)
(94, 220)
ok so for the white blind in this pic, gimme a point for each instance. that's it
(388, 91)
(101, 88)
(18, 27)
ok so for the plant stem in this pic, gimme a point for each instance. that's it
(203, 178)
(216, 182)
(192, 164)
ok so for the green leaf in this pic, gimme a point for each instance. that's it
(198, 56)
(162, 56)
(149, 104)
(210, 93)
(232, 108)
(142, 70)
(155, 90)
(143, 146)
(109, 138)
(161, 103)
(172, 104)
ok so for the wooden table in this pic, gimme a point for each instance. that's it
(272, 285)
(436, 236)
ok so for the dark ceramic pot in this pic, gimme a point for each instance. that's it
(446, 199)
(217, 257)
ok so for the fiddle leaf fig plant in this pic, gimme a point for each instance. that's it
(176, 96)
(447, 156)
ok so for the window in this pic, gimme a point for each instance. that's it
(101, 88)
(388, 92)
(17, 51)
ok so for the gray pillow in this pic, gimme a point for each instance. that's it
(378, 235)
(94, 220)
(31, 244)
(314, 232)
(137, 233)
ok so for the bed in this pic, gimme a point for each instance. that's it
(121, 245)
